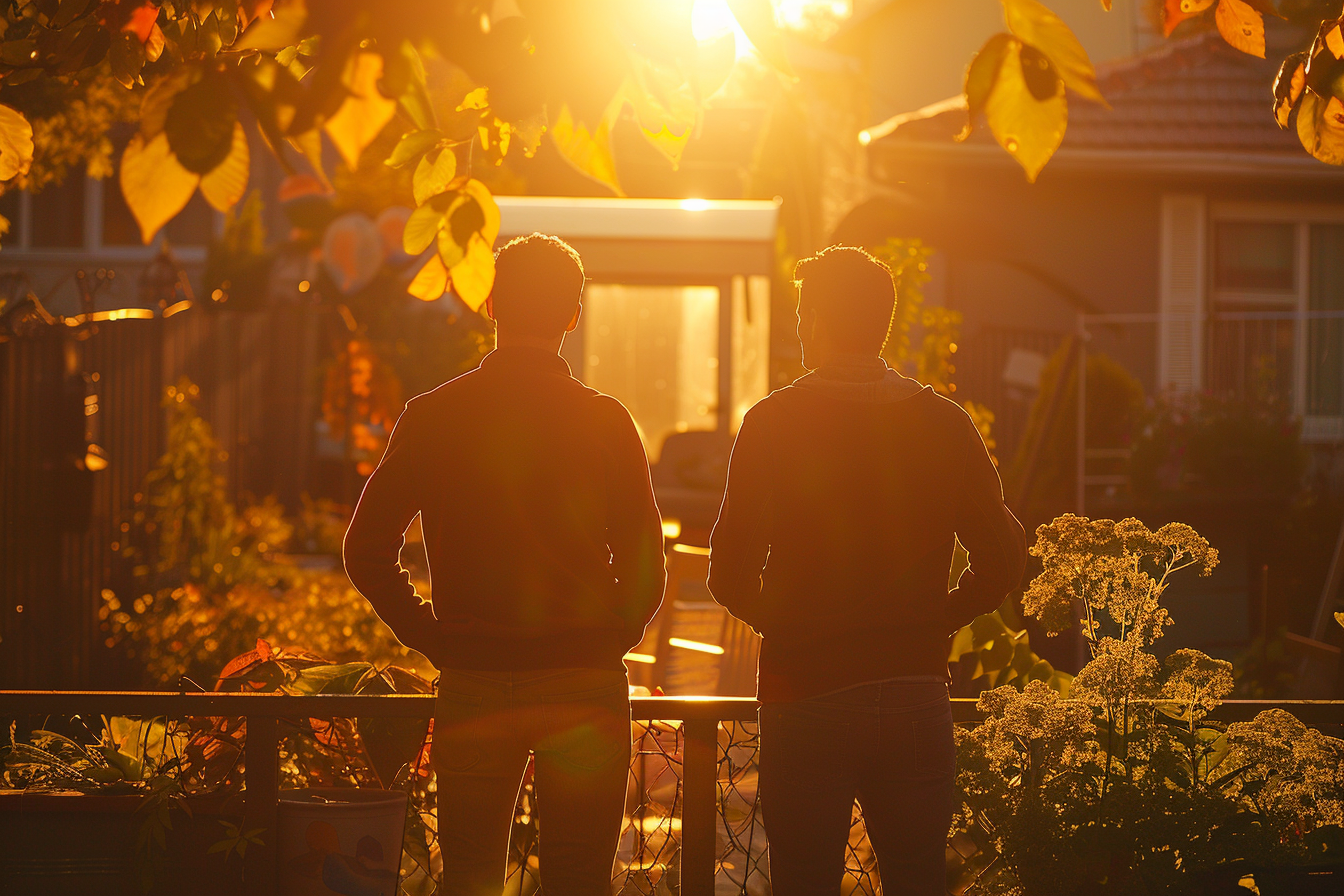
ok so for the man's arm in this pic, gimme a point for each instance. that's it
(634, 530)
(375, 538)
(991, 535)
(740, 542)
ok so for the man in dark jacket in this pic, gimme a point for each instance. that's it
(847, 492)
(546, 552)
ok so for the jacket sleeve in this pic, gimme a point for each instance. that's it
(634, 530)
(377, 534)
(991, 535)
(740, 542)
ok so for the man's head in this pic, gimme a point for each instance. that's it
(845, 303)
(538, 283)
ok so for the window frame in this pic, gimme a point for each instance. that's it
(19, 243)
(1315, 427)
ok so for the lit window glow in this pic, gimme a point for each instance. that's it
(700, 646)
(640, 658)
(691, 549)
(671, 528)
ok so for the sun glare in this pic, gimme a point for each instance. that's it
(694, 205)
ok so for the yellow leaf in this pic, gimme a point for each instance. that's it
(431, 282)
(489, 208)
(16, 144)
(364, 112)
(309, 145)
(1030, 129)
(159, 96)
(421, 227)
(155, 184)
(474, 276)
(276, 31)
(477, 99)
(227, 183)
(1039, 27)
(1320, 127)
(433, 174)
(1242, 26)
(589, 152)
(665, 106)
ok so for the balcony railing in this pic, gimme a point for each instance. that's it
(694, 767)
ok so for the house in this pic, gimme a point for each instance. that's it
(1194, 241)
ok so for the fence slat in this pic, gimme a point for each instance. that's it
(699, 812)
(262, 797)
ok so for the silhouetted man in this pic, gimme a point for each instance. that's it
(546, 552)
(846, 493)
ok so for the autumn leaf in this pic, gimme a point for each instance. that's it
(1174, 12)
(489, 228)
(980, 77)
(421, 228)
(1027, 110)
(277, 31)
(155, 183)
(364, 112)
(433, 174)
(1242, 26)
(1288, 86)
(474, 276)
(225, 185)
(1320, 127)
(589, 152)
(1038, 27)
(16, 144)
(431, 282)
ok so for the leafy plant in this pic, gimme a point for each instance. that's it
(1127, 786)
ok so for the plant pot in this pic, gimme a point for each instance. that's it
(340, 840)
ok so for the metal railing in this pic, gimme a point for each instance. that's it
(694, 766)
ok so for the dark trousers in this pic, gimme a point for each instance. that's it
(577, 722)
(890, 745)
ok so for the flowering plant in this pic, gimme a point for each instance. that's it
(1128, 785)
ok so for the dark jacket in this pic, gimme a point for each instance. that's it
(836, 533)
(544, 543)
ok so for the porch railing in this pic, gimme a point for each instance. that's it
(707, 754)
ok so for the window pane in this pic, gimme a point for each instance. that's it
(193, 226)
(119, 227)
(656, 348)
(1254, 255)
(1325, 338)
(58, 215)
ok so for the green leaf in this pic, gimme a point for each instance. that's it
(433, 174)
(338, 678)
(1038, 27)
(413, 145)
(1028, 127)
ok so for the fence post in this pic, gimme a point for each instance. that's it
(261, 754)
(700, 806)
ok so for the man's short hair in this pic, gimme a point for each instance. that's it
(538, 282)
(852, 293)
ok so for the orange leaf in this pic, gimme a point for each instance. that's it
(1242, 26)
(1174, 12)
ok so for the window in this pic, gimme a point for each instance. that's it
(1277, 326)
(656, 348)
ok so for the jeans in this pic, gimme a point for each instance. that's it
(888, 744)
(577, 722)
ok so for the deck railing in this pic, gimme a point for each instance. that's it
(705, 744)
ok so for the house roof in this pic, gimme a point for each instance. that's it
(1195, 96)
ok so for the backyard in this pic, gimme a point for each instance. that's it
(239, 236)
